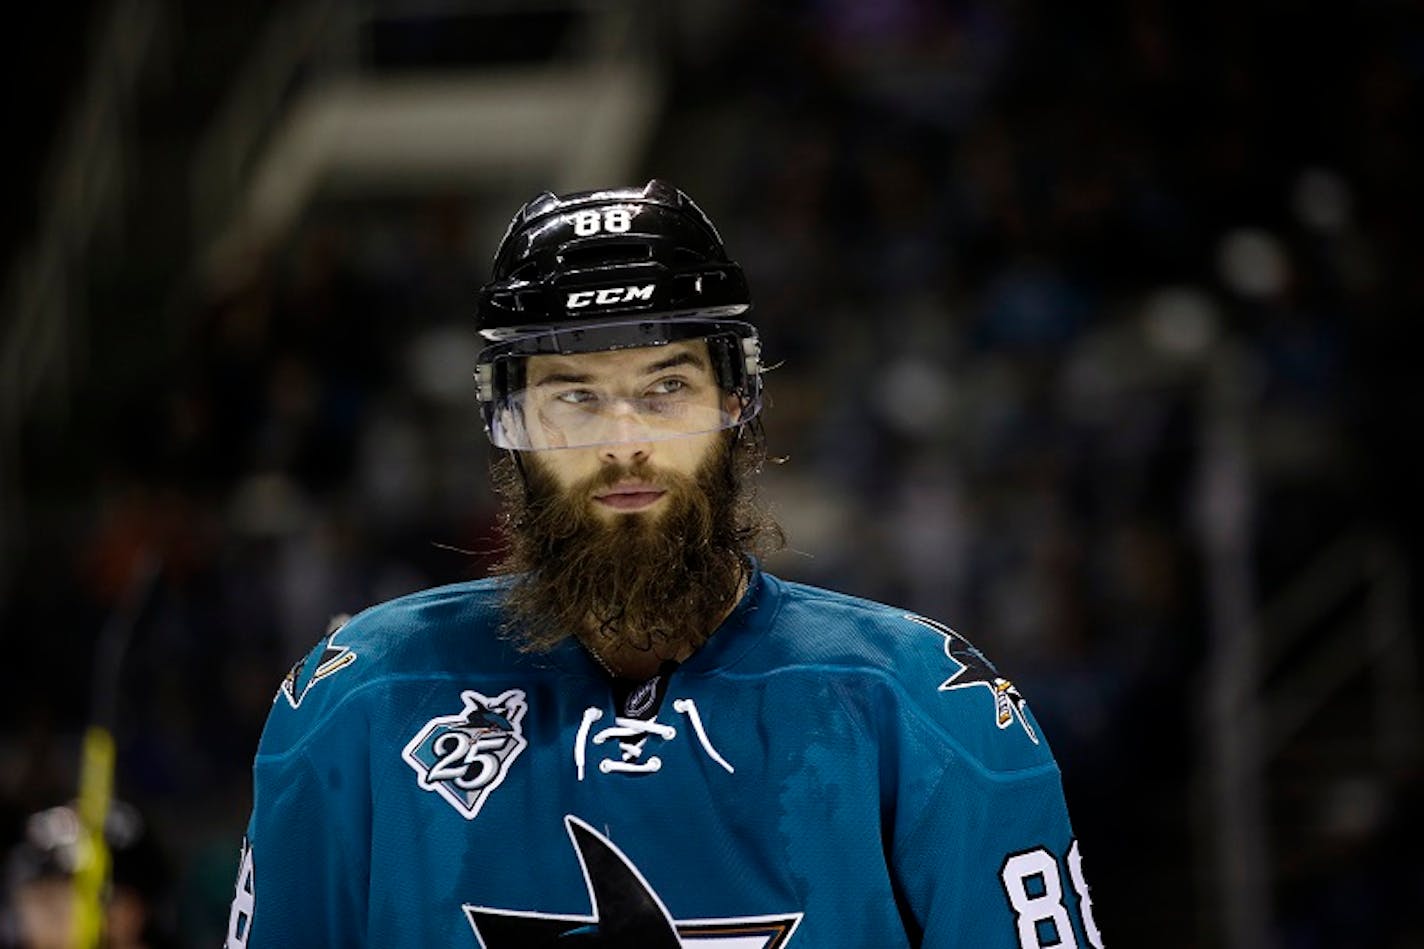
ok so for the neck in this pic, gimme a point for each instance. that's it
(619, 657)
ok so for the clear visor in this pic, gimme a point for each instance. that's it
(623, 396)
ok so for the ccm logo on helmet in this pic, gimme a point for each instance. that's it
(608, 296)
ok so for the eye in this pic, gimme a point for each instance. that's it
(668, 386)
(576, 397)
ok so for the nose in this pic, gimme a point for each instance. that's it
(626, 455)
(628, 444)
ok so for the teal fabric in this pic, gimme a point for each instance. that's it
(831, 770)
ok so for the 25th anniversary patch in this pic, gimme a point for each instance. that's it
(465, 756)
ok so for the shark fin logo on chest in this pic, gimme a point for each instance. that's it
(627, 912)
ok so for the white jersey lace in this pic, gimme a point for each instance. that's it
(631, 735)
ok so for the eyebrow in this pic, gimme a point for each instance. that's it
(683, 358)
(561, 378)
(582, 378)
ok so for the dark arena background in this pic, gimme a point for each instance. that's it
(1091, 323)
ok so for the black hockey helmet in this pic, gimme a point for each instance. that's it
(601, 272)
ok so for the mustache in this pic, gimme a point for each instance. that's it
(614, 474)
(542, 515)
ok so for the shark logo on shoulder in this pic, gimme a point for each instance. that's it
(326, 659)
(626, 912)
(975, 670)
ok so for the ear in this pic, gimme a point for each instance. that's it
(732, 406)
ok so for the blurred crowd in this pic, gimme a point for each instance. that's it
(1007, 259)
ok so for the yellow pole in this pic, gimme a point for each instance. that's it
(91, 877)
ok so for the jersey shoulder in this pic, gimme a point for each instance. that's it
(424, 633)
(937, 676)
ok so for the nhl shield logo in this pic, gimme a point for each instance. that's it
(465, 756)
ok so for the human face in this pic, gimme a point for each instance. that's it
(635, 397)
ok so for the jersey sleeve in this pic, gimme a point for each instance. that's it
(980, 841)
(990, 860)
(305, 861)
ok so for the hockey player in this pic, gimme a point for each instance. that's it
(633, 736)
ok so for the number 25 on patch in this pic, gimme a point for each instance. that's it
(1034, 887)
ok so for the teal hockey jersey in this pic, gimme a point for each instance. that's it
(824, 772)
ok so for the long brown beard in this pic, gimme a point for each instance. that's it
(658, 584)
